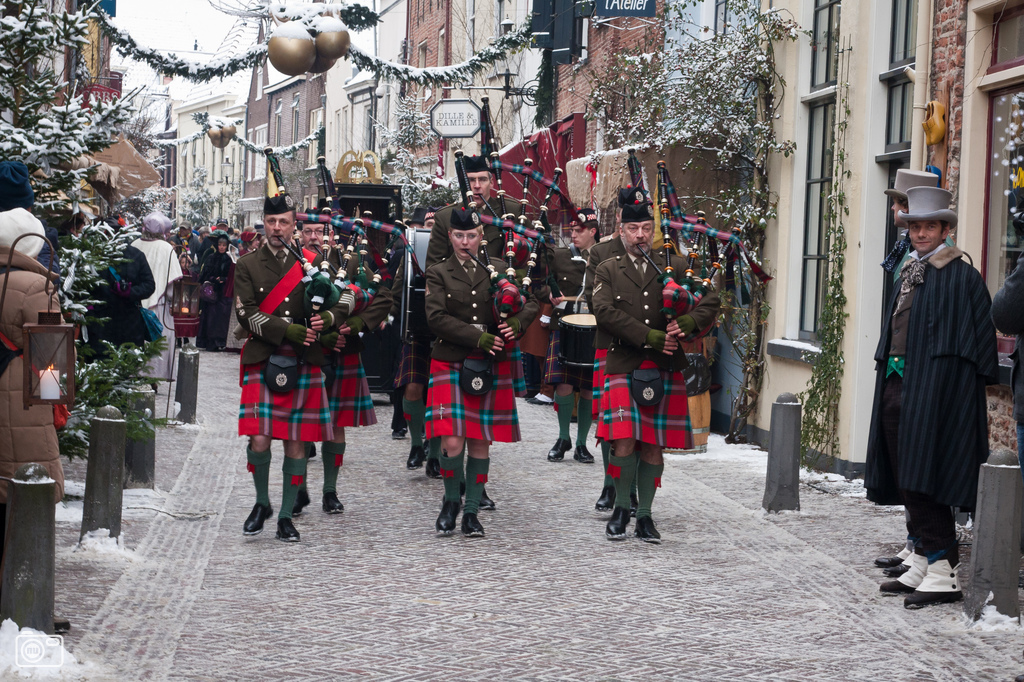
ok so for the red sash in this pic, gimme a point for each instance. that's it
(285, 286)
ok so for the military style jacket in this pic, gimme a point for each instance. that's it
(459, 309)
(627, 307)
(568, 273)
(609, 247)
(372, 315)
(256, 275)
(441, 247)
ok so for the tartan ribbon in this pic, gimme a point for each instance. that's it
(481, 478)
(511, 225)
(614, 470)
(486, 133)
(297, 479)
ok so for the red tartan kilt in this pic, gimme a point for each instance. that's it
(349, 396)
(666, 424)
(414, 367)
(301, 414)
(600, 360)
(490, 417)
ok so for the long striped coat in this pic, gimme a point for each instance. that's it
(951, 356)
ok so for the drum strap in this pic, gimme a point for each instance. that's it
(285, 285)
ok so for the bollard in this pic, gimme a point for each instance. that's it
(104, 476)
(186, 391)
(29, 558)
(995, 555)
(140, 455)
(782, 482)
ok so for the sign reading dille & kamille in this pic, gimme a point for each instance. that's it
(455, 118)
(625, 8)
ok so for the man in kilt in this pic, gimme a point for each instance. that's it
(460, 312)
(414, 372)
(645, 358)
(568, 266)
(283, 392)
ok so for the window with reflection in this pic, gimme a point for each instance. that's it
(1005, 225)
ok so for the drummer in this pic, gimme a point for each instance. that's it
(568, 267)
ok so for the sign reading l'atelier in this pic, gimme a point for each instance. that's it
(625, 8)
(455, 118)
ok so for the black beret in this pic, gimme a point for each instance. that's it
(637, 213)
(629, 196)
(465, 219)
(475, 164)
(282, 203)
(419, 216)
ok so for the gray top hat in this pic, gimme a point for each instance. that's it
(905, 179)
(929, 203)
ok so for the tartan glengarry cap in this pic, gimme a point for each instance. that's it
(475, 164)
(637, 213)
(464, 219)
(282, 203)
(419, 216)
(630, 196)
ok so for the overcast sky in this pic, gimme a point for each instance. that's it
(173, 25)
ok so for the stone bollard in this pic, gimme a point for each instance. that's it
(782, 483)
(995, 556)
(104, 476)
(186, 391)
(140, 455)
(29, 559)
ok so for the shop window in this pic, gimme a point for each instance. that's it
(1005, 224)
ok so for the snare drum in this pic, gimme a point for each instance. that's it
(576, 340)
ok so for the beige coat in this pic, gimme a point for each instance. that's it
(25, 435)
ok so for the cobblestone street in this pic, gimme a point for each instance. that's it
(374, 594)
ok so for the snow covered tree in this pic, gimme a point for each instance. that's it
(716, 94)
(197, 204)
(43, 123)
(415, 175)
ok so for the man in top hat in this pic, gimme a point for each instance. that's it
(481, 183)
(929, 423)
(414, 370)
(644, 402)
(283, 392)
(568, 267)
(469, 406)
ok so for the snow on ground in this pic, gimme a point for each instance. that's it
(834, 484)
(135, 503)
(27, 654)
(98, 545)
(992, 621)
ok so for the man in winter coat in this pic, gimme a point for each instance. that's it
(25, 435)
(1008, 315)
(929, 424)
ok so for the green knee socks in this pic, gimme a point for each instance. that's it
(584, 417)
(606, 455)
(452, 471)
(624, 473)
(648, 479)
(259, 466)
(294, 476)
(434, 451)
(332, 454)
(476, 477)
(415, 411)
(565, 403)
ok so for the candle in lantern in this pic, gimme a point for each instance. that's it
(49, 384)
(184, 310)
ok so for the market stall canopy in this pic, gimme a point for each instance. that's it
(123, 172)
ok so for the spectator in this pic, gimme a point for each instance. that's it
(166, 270)
(214, 314)
(1008, 316)
(16, 192)
(26, 435)
(186, 245)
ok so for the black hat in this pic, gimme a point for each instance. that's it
(475, 164)
(638, 212)
(419, 216)
(282, 203)
(629, 196)
(586, 215)
(465, 219)
(221, 221)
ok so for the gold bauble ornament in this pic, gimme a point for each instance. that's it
(332, 44)
(291, 56)
(320, 64)
(227, 133)
(215, 137)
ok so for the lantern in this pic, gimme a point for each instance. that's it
(185, 307)
(49, 361)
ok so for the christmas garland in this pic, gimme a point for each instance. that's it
(355, 17)
(206, 122)
(288, 151)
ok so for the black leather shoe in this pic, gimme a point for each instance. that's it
(896, 571)
(558, 450)
(259, 514)
(895, 587)
(398, 434)
(633, 504)
(310, 450)
(486, 502)
(888, 561)
(471, 527)
(286, 531)
(919, 599)
(301, 502)
(582, 455)
(617, 525)
(646, 531)
(433, 468)
(607, 499)
(331, 504)
(445, 523)
(416, 457)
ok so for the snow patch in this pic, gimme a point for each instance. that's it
(720, 451)
(291, 29)
(834, 484)
(993, 621)
(69, 512)
(97, 544)
(52, 660)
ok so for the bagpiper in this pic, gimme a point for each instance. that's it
(470, 400)
(644, 401)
